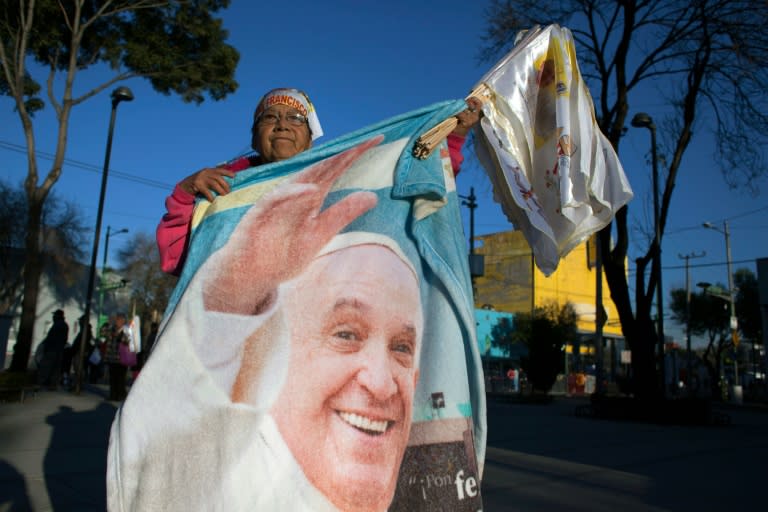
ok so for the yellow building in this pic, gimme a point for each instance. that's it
(512, 283)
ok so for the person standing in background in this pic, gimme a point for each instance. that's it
(75, 362)
(49, 370)
(117, 372)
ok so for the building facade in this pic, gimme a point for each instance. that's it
(512, 284)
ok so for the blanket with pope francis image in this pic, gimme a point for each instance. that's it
(319, 352)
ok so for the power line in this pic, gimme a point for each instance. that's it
(632, 270)
(737, 216)
(745, 214)
(699, 265)
(90, 167)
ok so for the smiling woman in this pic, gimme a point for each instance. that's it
(284, 124)
(280, 132)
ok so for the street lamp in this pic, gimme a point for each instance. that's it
(734, 321)
(118, 95)
(102, 282)
(643, 120)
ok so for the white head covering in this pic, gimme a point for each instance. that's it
(355, 238)
(294, 98)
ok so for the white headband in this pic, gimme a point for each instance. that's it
(293, 98)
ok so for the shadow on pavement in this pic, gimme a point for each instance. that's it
(75, 463)
(17, 498)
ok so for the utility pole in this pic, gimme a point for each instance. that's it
(689, 366)
(476, 261)
(470, 202)
(732, 295)
(731, 298)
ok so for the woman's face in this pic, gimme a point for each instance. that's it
(280, 140)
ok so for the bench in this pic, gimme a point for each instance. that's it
(20, 392)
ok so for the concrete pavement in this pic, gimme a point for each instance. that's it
(540, 458)
(53, 451)
(545, 458)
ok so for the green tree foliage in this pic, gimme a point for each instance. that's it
(748, 305)
(709, 317)
(178, 46)
(150, 287)
(544, 332)
(502, 335)
(710, 59)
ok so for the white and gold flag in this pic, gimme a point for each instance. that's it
(556, 176)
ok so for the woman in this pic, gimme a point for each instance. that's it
(285, 124)
(117, 372)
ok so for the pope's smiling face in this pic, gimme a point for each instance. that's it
(345, 410)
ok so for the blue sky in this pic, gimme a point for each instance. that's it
(360, 62)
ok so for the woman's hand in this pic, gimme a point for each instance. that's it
(469, 117)
(207, 181)
(281, 234)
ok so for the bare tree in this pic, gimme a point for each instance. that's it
(62, 238)
(150, 287)
(11, 243)
(177, 45)
(710, 59)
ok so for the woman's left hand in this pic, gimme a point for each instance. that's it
(468, 117)
(281, 234)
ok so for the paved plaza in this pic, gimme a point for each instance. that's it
(545, 458)
(540, 458)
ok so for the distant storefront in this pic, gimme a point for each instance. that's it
(501, 367)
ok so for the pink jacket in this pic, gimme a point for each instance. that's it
(173, 231)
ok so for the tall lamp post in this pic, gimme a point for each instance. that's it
(731, 299)
(118, 95)
(102, 282)
(643, 120)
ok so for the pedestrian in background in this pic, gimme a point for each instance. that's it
(117, 372)
(75, 361)
(49, 369)
(96, 364)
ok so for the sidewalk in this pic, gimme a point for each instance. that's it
(546, 458)
(53, 451)
(540, 458)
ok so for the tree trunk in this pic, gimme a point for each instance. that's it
(637, 327)
(642, 342)
(32, 270)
